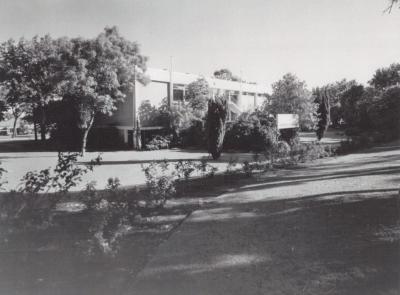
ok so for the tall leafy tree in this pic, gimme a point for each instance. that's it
(336, 91)
(216, 119)
(30, 73)
(384, 112)
(322, 99)
(14, 58)
(44, 74)
(356, 104)
(386, 77)
(290, 95)
(3, 104)
(98, 74)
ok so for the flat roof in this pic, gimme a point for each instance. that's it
(163, 75)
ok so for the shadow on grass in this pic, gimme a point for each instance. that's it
(312, 245)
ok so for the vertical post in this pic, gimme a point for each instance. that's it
(229, 109)
(135, 124)
(170, 85)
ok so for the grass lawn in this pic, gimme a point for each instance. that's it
(23, 154)
(346, 243)
(49, 248)
(341, 244)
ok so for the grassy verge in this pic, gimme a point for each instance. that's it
(91, 242)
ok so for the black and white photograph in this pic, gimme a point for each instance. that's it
(199, 147)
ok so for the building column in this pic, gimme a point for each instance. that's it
(137, 142)
(125, 131)
(229, 110)
(170, 93)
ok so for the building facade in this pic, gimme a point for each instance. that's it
(164, 83)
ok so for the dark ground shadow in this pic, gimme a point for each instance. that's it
(344, 245)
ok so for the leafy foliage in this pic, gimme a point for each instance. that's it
(384, 113)
(216, 118)
(197, 95)
(148, 114)
(15, 59)
(226, 74)
(66, 175)
(2, 172)
(246, 133)
(305, 152)
(386, 77)
(290, 95)
(158, 143)
(98, 72)
(113, 183)
(160, 182)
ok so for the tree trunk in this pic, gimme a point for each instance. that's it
(35, 129)
(271, 160)
(14, 133)
(85, 134)
(42, 124)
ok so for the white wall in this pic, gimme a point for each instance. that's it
(154, 91)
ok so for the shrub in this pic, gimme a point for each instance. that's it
(113, 183)
(65, 175)
(281, 149)
(184, 169)
(2, 172)
(35, 182)
(246, 134)
(289, 135)
(158, 143)
(205, 169)
(90, 188)
(160, 182)
(248, 168)
(304, 152)
(231, 167)
(270, 136)
(113, 221)
(193, 136)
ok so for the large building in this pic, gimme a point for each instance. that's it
(164, 83)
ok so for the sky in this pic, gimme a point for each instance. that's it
(321, 41)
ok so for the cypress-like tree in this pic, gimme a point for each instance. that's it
(322, 98)
(216, 118)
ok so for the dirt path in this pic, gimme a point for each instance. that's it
(330, 228)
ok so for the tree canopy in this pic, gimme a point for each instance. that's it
(15, 82)
(98, 74)
(386, 77)
(198, 92)
(226, 74)
(290, 95)
(91, 75)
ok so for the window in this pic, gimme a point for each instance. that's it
(178, 95)
(179, 92)
(235, 97)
